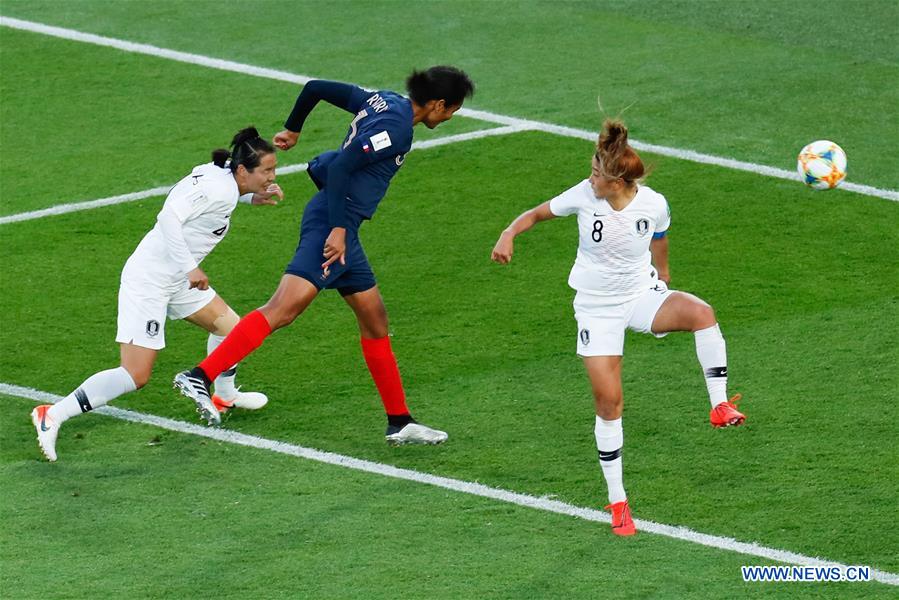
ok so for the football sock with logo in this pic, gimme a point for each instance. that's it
(246, 336)
(97, 390)
(712, 353)
(224, 383)
(609, 441)
(383, 368)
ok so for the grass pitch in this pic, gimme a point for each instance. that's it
(803, 283)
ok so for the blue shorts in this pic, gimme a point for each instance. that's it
(353, 277)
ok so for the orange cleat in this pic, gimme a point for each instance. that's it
(221, 404)
(47, 430)
(726, 414)
(622, 523)
(247, 400)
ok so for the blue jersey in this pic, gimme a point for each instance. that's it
(379, 136)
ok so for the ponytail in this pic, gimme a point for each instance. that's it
(617, 160)
(220, 157)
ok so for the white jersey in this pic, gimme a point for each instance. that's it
(202, 204)
(613, 258)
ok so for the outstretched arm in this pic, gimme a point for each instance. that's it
(341, 95)
(502, 251)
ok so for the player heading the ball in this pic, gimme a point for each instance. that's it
(352, 181)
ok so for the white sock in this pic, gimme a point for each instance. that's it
(712, 353)
(224, 383)
(609, 440)
(97, 390)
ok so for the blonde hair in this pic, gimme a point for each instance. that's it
(617, 160)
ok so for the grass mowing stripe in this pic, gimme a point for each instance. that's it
(61, 209)
(126, 46)
(466, 487)
(690, 155)
(227, 65)
(471, 135)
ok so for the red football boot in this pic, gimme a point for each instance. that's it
(726, 414)
(622, 523)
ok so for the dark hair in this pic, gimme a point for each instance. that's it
(442, 82)
(247, 149)
(616, 157)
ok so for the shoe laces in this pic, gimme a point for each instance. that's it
(618, 512)
(727, 405)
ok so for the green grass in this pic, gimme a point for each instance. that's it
(803, 283)
(115, 131)
(174, 516)
(751, 80)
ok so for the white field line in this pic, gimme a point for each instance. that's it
(698, 157)
(513, 124)
(61, 209)
(465, 487)
(464, 137)
(524, 124)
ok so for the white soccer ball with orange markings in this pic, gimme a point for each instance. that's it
(822, 165)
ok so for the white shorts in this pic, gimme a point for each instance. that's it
(144, 305)
(601, 321)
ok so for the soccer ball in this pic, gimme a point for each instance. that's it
(822, 165)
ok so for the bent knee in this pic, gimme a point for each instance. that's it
(140, 376)
(280, 314)
(704, 317)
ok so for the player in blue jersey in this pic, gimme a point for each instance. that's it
(351, 180)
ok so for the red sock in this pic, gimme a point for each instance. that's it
(382, 365)
(246, 336)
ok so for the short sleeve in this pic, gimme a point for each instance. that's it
(384, 142)
(569, 201)
(663, 222)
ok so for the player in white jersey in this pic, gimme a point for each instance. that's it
(163, 278)
(621, 277)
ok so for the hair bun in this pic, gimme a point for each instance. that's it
(244, 135)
